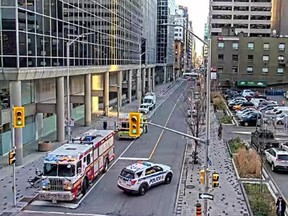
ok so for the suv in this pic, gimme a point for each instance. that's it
(278, 158)
(139, 177)
(144, 108)
(263, 139)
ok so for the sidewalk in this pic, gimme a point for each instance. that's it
(34, 159)
(228, 197)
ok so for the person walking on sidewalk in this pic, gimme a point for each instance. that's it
(280, 206)
(220, 129)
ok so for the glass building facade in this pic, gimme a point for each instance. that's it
(34, 33)
(165, 33)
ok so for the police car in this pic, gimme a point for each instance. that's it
(139, 177)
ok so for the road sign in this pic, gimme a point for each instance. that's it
(206, 196)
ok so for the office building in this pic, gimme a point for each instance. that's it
(104, 64)
(253, 17)
(253, 62)
(165, 40)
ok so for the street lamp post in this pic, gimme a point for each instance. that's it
(68, 82)
(208, 126)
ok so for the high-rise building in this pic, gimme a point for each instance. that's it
(165, 40)
(253, 17)
(104, 64)
(279, 17)
(190, 44)
(206, 39)
(149, 32)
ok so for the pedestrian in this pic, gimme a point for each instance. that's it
(145, 125)
(280, 206)
(215, 108)
(220, 131)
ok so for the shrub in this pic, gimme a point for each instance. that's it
(248, 163)
(217, 100)
(226, 120)
(260, 199)
(235, 144)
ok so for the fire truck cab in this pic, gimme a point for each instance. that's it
(69, 169)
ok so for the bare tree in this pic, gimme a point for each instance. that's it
(192, 108)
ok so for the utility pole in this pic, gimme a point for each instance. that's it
(208, 126)
(14, 165)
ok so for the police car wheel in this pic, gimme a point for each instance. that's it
(168, 178)
(142, 189)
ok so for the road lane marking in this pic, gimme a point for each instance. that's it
(132, 158)
(61, 213)
(162, 132)
(102, 176)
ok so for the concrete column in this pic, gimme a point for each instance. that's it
(60, 109)
(153, 79)
(149, 80)
(88, 100)
(119, 88)
(106, 93)
(15, 98)
(143, 80)
(138, 84)
(130, 72)
(165, 74)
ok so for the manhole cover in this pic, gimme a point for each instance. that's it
(190, 186)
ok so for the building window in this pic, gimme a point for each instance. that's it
(234, 57)
(220, 45)
(251, 46)
(250, 58)
(234, 69)
(235, 46)
(220, 57)
(281, 47)
(265, 58)
(280, 70)
(281, 58)
(265, 70)
(249, 70)
(266, 46)
(220, 69)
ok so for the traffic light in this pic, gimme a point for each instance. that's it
(202, 176)
(19, 117)
(12, 155)
(215, 179)
(134, 124)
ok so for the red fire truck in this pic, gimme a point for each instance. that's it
(69, 169)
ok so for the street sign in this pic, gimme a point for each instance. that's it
(206, 196)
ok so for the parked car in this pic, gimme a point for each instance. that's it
(250, 120)
(245, 104)
(263, 139)
(277, 158)
(284, 146)
(239, 114)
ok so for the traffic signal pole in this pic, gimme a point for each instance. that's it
(14, 165)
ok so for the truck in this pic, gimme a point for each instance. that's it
(150, 98)
(70, 169)
(122, 131)
(263, 139)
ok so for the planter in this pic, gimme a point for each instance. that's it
(44, 146)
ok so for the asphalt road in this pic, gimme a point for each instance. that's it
(245, 133)
(157, 145)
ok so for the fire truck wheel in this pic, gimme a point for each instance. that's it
(106, 165)
(84, 186)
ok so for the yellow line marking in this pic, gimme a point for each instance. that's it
(162, 132)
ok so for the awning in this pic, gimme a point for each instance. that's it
(244, 83)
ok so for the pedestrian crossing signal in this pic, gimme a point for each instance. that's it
(215, 179)
(12, 155)
(202, 176)
(19, 117)
(134, 124)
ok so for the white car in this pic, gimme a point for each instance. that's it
(144, 108)
(139, 177)
(241, 113)
(284, 146)
(277, 158)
